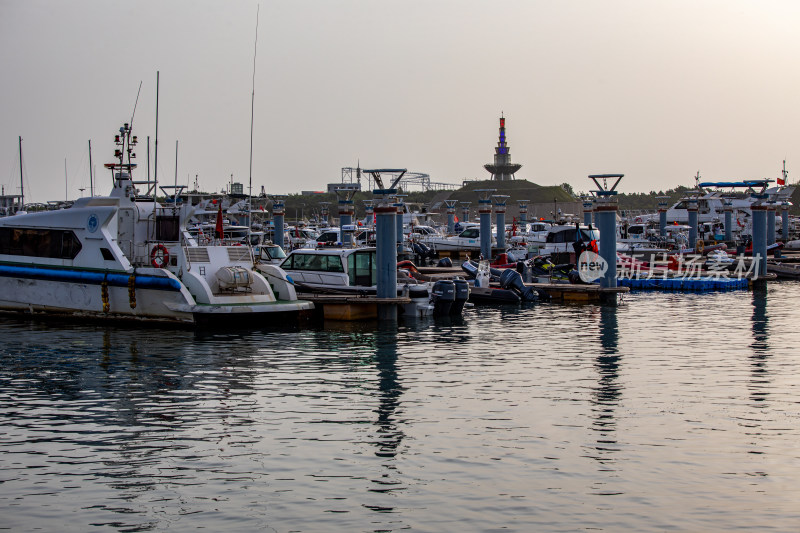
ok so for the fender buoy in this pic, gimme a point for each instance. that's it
(159, 256)
(700, 246)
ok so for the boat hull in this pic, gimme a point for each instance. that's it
(155, 297)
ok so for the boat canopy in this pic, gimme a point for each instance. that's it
(745, 183)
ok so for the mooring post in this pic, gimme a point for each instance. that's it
(587, 211)
(278, 212)
(485, 213)
(759, 210)
(500, 211)
(662, 214)
(605, 210)
(465, 211)
(451, 216)
(691, 208)
(771, 212)
(785, 221)
(728, 207)
(346, 211)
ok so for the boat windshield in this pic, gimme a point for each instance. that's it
(362, 268)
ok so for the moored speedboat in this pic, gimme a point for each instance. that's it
(127, 257)
(354, 271)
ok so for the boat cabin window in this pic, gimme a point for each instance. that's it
(568, 235)
(362, 269)
(471, 233)
(168, 228)
(38, 242)
(318, 262)
(272, 252)
(329, 236)
(636, 230)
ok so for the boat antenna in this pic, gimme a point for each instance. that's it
(252, 113)
(91, 180)
(21, 181)
(136, 103)
(155, 162)
(155, 155)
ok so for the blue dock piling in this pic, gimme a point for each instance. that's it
(346, 211)
(760, 237)
(485, 213)
(692, 210)
(605, 209)
(587, 211)
(728, 221)
(785, 221)
(465, 211)
(771, 212)
(278, 213)
(662, 214)
(500, 212)
(523, 211)
(451, 216)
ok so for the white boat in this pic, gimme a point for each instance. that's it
(353, 271)
(562, 237)
(712, 197)
(126, 257)
(468, 240)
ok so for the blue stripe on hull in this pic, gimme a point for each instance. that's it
(89, 277)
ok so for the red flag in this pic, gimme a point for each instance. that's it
(219, 222)
(781, 181)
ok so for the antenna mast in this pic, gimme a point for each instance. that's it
(21, 181)
(91, 180)
(252, 113)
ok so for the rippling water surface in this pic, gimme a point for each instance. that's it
(670, 412)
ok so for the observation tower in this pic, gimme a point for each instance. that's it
(502, 169)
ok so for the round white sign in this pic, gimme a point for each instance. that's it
(591, 266)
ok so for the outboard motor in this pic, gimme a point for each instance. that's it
(444, 262)
(461, 296)
(443, 294)
(511, 280)
(422, 251)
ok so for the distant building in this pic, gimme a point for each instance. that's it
(313, 193)
(502, 169)
(351, 186)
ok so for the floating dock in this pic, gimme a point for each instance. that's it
(347, 307)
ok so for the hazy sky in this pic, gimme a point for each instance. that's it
(656, 90)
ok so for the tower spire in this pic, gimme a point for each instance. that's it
(502, 169)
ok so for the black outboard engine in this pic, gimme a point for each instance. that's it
(512, 281)
(443, 294)
(461, 296)
(421, 251)
(444, 262)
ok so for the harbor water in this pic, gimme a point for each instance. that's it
(669, 412)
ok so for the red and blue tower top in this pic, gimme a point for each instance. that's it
(502, 169)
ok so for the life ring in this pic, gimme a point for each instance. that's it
(159, 256)
(700, 246)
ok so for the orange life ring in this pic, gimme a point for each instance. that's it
(159, 256)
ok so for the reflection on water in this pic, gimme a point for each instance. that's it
(608, 390)
(759, 383)
(649, 416)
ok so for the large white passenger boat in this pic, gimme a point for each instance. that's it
(125, 256)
